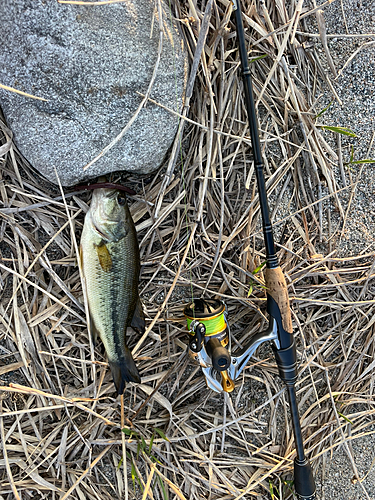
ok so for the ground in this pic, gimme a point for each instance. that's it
(198, 226)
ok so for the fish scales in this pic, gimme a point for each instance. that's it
(111, 265)
(110, 302)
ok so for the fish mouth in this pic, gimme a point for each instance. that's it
(109, 193)
(103, 216)
(103, 193)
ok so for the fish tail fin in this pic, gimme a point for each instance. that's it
(124, 370)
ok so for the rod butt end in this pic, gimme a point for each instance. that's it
(304, 483)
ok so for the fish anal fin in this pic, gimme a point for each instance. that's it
(124, 370)
(104, 257)
(93, 331)
(138, 321)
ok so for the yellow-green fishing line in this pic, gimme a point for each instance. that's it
(213, 325)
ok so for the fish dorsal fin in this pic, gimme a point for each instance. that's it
(138, 321)
(104, 257)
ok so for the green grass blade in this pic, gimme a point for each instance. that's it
(163, 490)
(323, 110)
(366, 160)
(135, 477)
(351, 154)
(339, 130)
(289, 485)
(273, 497)
(345, 418)
(257, 58)
(143, 445)
(151, 443)
(257, 269)
(161, 434)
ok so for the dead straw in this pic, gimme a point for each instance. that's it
(198, 224)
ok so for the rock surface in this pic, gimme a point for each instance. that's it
(89, 62)
(356, 88)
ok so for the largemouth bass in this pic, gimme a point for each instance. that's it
(111, 265)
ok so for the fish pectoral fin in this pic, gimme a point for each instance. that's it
(124, 370)
(104, 257)
(138, 321)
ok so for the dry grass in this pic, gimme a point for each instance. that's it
(198, 226)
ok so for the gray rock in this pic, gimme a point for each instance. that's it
(89, 62)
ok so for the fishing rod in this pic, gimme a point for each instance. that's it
(209, 344)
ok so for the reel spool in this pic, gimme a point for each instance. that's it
(211, 313)
(208, 328)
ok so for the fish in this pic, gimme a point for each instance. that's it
(110, 263)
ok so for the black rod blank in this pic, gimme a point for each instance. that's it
(272, 261)
(303, 478)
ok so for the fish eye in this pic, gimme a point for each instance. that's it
(121, 200)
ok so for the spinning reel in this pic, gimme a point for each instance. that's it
(210, 345)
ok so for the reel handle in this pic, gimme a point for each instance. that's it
(220, 356)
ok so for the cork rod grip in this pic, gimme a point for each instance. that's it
(276, 287)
